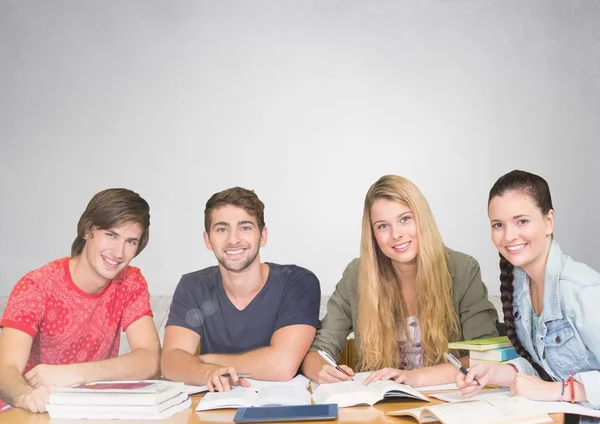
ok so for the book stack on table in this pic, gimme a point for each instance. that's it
(495, 349)
(142, 400)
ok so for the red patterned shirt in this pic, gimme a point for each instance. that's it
(69, 325)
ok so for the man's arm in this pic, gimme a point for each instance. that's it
(277, 362)
(178, 361)
(141, 363)
(15, 347)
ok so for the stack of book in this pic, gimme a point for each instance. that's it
(495, 349)
(142, 400)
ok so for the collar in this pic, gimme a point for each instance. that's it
(554, 265)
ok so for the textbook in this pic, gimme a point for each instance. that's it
(496, 355)
(88, 410)
(120, 413)
(351, 393)
(239, 397)
(491, 410)
(117, 393)
(481, 344)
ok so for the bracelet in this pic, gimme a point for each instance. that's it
(563, 383)
(572, 383)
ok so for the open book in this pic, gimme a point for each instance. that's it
(248, 396)
(350, 393)
(491, 410)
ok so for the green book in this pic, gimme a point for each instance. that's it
(481, 344)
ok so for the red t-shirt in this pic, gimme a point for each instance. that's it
(69, 325)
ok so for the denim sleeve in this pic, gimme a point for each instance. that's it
(587, 320)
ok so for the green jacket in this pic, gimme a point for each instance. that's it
(476, 313)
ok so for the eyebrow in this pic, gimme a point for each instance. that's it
(514, 217)
(119, 235)
(383, 220)
(225, 224)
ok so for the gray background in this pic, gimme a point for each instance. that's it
(308, 103)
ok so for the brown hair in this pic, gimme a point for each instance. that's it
(381, 305)
(236, 196)
(537, 189)
(110, 208)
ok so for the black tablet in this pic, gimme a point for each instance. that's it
(265, 414)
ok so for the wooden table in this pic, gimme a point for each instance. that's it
(358, 414)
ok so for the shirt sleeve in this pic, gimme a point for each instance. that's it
(25, 307)
(588, 326)
(184, 310)
(301, 300)
(138, 304)
(477, 315)
(337, 324)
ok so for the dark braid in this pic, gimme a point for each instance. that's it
(506, 295)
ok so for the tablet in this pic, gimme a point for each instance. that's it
(265, 414)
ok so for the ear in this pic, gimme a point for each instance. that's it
(550, 222)
(264, 235)
(207, 241)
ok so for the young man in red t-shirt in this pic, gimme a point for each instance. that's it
(62, 322)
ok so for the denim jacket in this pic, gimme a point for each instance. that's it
(568, 333)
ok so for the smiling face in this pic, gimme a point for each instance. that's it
(395, 230)
(520, 231)
(234, 238)
(107, 252)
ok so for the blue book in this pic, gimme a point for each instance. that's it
(497, 355)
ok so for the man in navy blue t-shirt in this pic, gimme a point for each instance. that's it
(247, 316)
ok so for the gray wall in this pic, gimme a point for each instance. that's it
(308, 103)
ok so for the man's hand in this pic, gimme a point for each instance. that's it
(216, 381)
(34, 401)
(51, 376)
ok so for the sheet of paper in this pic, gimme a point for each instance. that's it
(483, 394)
(299, 381)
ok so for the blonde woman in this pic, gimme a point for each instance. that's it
(405, 298)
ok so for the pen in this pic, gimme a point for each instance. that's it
(452, 359)
(240, 374)
(331, 362)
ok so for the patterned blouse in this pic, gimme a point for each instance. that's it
(410, 351)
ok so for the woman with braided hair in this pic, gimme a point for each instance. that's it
(551, 303)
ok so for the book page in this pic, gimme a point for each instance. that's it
(483, 394)
(300, 381)
(235, 398)
(345, 393)
(282, 395)
(493, 410)
(420, 414)
(389, 388)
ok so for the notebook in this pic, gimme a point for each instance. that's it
(248, 396)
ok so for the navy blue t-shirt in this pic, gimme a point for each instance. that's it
(290, 296)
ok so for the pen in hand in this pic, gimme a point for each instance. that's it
(452, 359)
(332, 362)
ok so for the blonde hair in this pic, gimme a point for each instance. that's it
(381, 306)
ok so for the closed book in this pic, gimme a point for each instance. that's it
(132, 409)
(116, 393)
(497, 355)
(481, 344)
(118, 413)
(478, 361)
